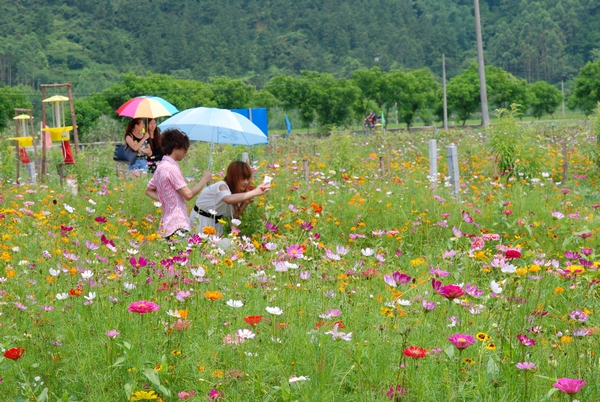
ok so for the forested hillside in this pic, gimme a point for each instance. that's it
(92, 42)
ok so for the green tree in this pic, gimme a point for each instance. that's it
(543, 98)
(294, 93)
(586, 93)
(462, 94)
(10, 98)
(333, 99)
(418, 95)
(231, 93)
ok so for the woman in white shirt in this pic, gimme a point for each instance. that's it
(227, 198)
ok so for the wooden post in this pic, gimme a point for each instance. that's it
(44, 134)
(73, 117)
(18, 160)
(444, 92)
(305, 167)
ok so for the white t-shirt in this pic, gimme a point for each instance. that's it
(211, 199)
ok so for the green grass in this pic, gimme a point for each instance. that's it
(407, 225)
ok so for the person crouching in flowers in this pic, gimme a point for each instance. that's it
(226, 198)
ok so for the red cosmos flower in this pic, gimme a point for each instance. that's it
(340, 324)
(76, 292)
(513, 253)
(100, 219)
(316, 207)
(448, 291)
(14, 353)
(415, 352)
(253, 320)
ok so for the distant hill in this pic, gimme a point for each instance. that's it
(92, 42)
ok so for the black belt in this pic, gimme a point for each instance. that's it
(204, 213)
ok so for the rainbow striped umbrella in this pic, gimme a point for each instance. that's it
(146, 106)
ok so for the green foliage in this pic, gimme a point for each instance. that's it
(543, 98)
(586, 93)
(10, 98)
(515, 155)
(417, 96)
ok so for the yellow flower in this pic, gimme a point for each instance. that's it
(483, 337)
(176, 352)
(143, 396)
(566, 339)
(218, 373)
(468, 361)
(490, 346)
(558, 290)
(209, 230)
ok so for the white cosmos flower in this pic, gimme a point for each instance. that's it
(54, 272)
(92, 201)
(90, 296)
(294, 379)
(87, 274)
(339, 335)
(234, 303)
(129, 286)
(90, 210)
(199, 272)
(174, 313)
(62, 296)
(274, 310)
(246, 334)
(132, 251)
(495, 287)
(236, 222)
(290, 265)
(367, 252)
(401, 302)
(508, 269)
(157, 204)
(69, 208)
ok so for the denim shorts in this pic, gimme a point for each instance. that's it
(139, 164)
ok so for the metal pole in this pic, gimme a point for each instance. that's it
(444, 88)
(44, 134)
(485, 118)
(452, 155)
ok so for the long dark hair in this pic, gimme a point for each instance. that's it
(132, 123)
(236, 172)
(155, 141)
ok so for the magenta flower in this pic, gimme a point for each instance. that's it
(448, 291)
(569, 386)
(396, 393)
(295, 251)
(513, 253)
(579, 315)
(214, 395)
(308, 226)
(462, 341)
(526, 366)
(397, 278)
(270, 227)
(525, 341)
(141, 262)
(143, 307)
(100, 219)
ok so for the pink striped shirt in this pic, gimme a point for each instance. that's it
(166, 181)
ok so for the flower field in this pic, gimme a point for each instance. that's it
(358, 284)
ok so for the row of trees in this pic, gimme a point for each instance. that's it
(328, 101)
(91, 43)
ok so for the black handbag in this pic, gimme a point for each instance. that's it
(124, 154)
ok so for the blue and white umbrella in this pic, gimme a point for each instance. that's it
(217, 126)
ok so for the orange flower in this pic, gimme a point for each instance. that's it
(76, 292)
(209, 230)
(213, 295)
(316, 207)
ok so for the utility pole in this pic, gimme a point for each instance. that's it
(485, 117)
(562, 89)
(444, 87)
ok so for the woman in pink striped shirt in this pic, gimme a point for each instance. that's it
(170, 188)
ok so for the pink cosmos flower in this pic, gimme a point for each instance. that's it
(185, 395)
(143, 307)
(141, 262)
(295, 251)
(462, 341)
(113, 333)
(448, 291)
(525, 341)
(526, 366)
(569, 386)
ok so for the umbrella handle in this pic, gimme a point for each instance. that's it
(210, 158)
